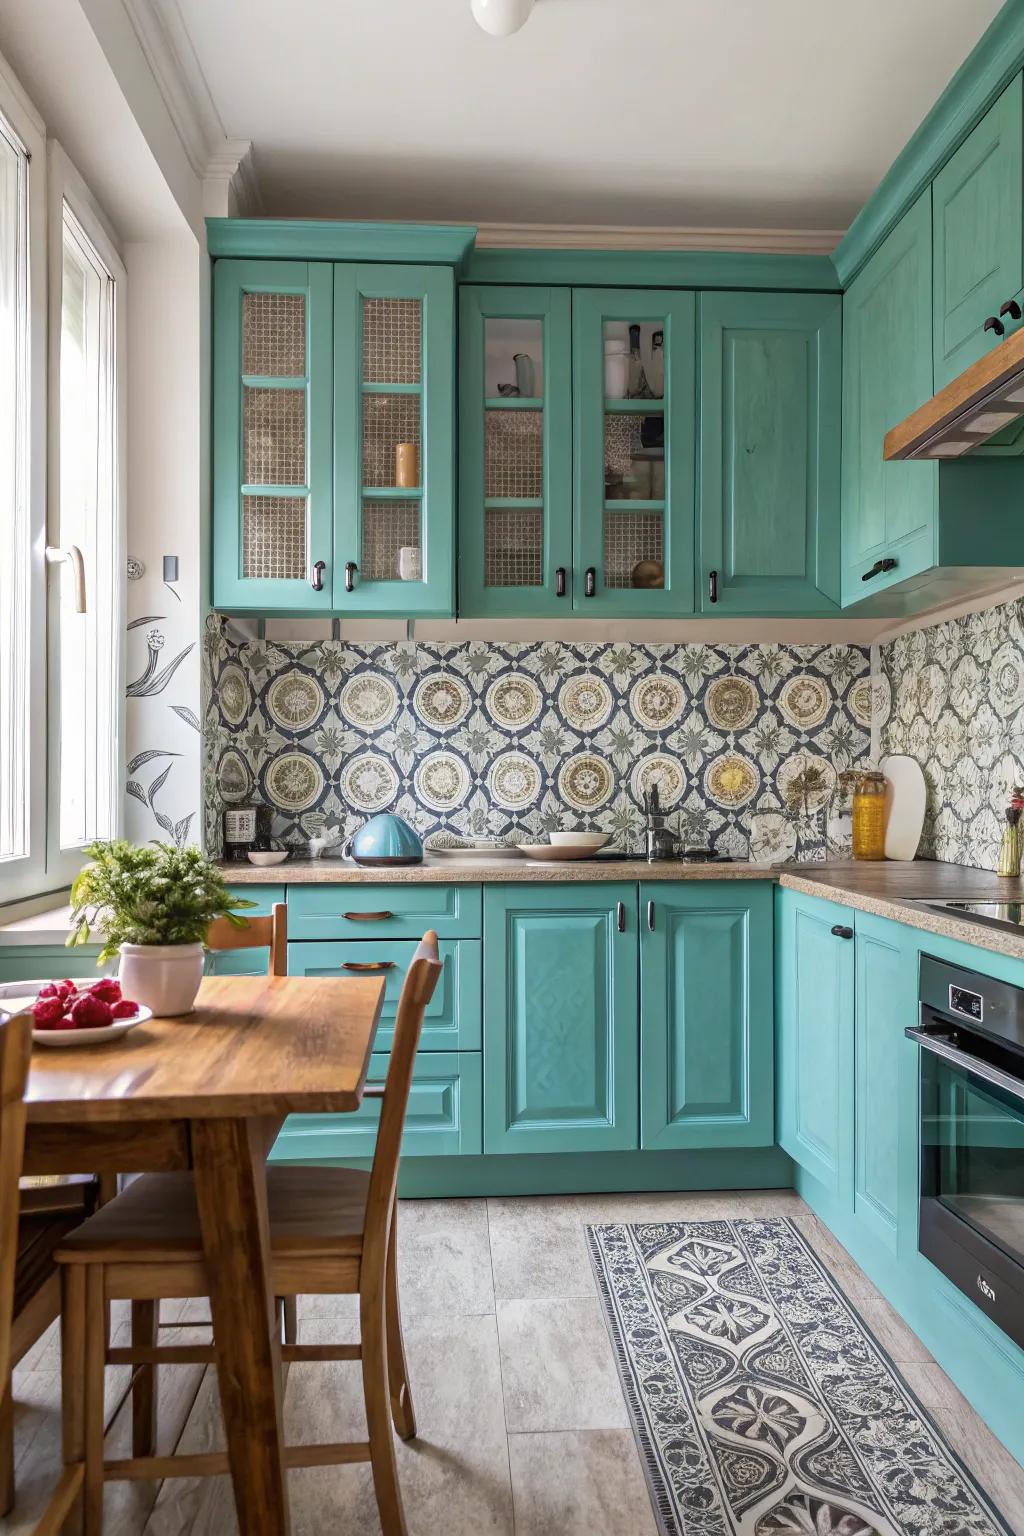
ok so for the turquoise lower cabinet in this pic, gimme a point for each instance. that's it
(770, 414)
(560, 1018)
(885, 1063)
(246, 962)
(51, 962)
(814, 1026)
(452, 1019)
(706, 1046)
(383, 911)
(443, 1118)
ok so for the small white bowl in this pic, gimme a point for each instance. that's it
(268, 857)
(593, 840)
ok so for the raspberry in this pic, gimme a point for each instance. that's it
(67, 986)
(90, 1012)
(125, 1009)
(50, 990)
(106, 988)
(48, 1012)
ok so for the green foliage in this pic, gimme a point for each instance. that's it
(156, 894)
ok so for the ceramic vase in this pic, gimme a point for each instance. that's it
(164, 977)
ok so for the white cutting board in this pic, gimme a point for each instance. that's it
(905, 796)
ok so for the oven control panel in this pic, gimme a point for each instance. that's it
(968, 1005)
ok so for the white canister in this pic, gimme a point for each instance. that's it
(164, 977)
(410, 563)
(616, 375)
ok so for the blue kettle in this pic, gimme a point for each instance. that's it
(385, 840)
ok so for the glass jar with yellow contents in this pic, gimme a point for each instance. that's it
(869, 816)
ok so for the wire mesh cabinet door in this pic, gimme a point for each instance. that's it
(515, 452)
(634, 405)
(394, 438)
(273, 512)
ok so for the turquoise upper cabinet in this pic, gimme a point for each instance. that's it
(814, 1022)
(706, 1014)
(560, 1018)
(978, 256)
(885, 1077)
(321, 371)
(394, 382)
(515, 452)
(889, 510)
(273, 428)
(770, 392)
(634, 363)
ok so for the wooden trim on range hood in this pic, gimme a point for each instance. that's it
(980, 402)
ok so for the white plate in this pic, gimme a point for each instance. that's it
(91, 1036)
(592, 840)
(475, 853)
(546, 854)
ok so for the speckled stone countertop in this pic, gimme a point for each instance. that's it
(452, 870)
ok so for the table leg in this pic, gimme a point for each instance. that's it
(231, 1194)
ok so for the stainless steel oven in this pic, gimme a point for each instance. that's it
(971, 1034)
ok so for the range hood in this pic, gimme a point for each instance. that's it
(983, 403)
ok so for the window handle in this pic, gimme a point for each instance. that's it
(73, 555)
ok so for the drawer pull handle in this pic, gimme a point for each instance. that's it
(620, 916)
(366, 917)
(367, 965)
(650, 915)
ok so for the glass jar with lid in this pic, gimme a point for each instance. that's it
(869, 813)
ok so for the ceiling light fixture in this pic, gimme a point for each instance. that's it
(501, 17)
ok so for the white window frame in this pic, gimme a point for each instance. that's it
(28, 876)
(65, 185)
(52, 181)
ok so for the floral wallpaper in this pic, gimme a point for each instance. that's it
(747, 743)
(958, 707)
(162, 719)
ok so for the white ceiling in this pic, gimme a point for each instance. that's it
(777, 114)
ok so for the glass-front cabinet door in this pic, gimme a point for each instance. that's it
(272, 449)
(634, 364)
(394, 470)
(515, 452)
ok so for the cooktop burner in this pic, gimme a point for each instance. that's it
(681, 856)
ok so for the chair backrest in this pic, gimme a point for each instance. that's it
(255, 933)
(418, 988)
(15, 1053)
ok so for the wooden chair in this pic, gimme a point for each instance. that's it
(332, 1232)
(15, 1053)
(258, 933)
(48, 1208)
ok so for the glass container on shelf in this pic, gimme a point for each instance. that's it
(869, 812)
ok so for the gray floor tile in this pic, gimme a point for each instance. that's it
(579, 1483)
(557, 1367)
(538, 1249)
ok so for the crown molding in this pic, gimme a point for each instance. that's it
(618, 237)
(163, 37)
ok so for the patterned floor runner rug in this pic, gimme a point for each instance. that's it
(761, 1403)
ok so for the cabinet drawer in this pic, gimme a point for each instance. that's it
(452, 1018)
(265, 896)
(384, 911)
(444, 1116)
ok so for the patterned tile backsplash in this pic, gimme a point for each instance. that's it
(516, 740)
(958, 707)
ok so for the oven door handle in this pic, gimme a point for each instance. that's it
(1014, 1086)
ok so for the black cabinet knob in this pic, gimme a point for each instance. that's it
(316, 581)
(560, 581)
(842, 932)
(992, 324)
(713, 586)
(350, 570)
(880, 567)
(590, 581)
(1011, 308)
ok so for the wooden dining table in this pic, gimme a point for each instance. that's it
(208, 1092)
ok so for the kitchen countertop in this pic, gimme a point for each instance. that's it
(892, 890)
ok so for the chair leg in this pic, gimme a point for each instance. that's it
(291, 1319)
(95, 1354)
(145, 1324)
(72, 1368)
(6, 1448)
(402, 1410)
(378, 1411)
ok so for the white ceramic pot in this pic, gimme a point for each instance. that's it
(616, 375)
(164, 977)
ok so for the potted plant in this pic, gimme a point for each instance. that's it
(154, 905)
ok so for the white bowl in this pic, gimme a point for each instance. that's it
(593, 840)
(268, 858)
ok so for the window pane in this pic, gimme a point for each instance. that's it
(15, 532)
(88, 521)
